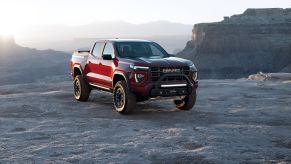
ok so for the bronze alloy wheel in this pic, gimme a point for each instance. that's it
(77, 88)
(124, 100)
(187, 102)
(119, 97)
(81, 89)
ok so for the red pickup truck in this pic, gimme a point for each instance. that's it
(133, 71)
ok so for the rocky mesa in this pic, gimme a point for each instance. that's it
(259, 40)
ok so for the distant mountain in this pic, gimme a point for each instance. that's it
(171, 35)
(170, 43)
(23, 65)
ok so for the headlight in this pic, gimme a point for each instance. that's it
(139, 77)
(193, 69)
(139, 72)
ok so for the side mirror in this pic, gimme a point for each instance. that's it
(107, 57)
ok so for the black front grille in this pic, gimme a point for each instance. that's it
(157, 72)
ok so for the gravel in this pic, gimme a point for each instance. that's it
(234, 121)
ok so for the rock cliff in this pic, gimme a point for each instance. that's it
(23, 65)
(259, 40)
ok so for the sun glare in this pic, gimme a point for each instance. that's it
(6, 30)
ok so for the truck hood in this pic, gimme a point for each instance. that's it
(159, 62)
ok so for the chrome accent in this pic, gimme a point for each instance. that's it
(173, 85)
(168, 70)
(138, 67)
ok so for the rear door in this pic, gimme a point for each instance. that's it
(93, 64)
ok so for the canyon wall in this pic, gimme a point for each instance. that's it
(259, 40)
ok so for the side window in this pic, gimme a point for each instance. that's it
(109, 49)
(98, 48)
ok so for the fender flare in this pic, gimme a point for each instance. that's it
(124, 76)
(79, 67)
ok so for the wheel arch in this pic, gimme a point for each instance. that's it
(120, 76)
(77, 70)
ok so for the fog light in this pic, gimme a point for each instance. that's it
(139, 77)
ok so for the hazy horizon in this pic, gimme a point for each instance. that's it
(15, 15)
(47, 23)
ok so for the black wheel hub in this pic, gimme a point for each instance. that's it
(119, 97)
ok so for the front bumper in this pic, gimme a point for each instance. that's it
(168, 88)
(162, 88)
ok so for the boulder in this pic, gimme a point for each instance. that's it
(270, 76)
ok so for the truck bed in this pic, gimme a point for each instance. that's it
(80, 57)
(83, 53)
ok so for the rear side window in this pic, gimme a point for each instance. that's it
(98, 48)
(109, 49)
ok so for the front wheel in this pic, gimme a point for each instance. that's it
(187, 102)
(124, 100)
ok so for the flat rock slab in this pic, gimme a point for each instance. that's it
(233, 121)
(271, 76)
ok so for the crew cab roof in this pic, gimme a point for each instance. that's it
(123, 40)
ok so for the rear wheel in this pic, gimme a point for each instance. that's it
(187, 102)
(81, 89)
(124, 100)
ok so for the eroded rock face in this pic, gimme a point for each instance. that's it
(259, 40)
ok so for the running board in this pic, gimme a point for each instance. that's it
(100, 87)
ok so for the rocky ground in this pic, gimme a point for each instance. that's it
(233, 121)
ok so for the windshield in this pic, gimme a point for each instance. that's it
(140, 49)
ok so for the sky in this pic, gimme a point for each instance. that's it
(15, 14)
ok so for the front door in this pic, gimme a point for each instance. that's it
(106, 66)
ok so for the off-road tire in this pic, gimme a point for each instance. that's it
(81, 89)
(129, 98)
(187, 102)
